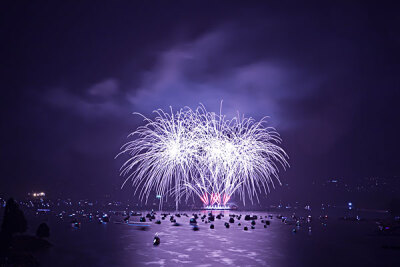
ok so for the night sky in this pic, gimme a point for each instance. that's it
(73, 74)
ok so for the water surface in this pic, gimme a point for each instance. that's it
(338, 243)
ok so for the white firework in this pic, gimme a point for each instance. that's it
(199, 152)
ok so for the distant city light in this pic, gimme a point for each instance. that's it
(43, 210)
(40, 194)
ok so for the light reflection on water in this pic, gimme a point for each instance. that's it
(339, 243)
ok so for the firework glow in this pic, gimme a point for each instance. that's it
(200, 153)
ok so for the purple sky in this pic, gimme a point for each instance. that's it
(327, 75)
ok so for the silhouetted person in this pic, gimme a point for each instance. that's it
(43, 231)
(13, 222)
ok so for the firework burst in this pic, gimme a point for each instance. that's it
(196, 152)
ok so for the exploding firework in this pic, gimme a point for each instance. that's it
(196, 152)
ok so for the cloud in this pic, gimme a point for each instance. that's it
(105, 88)
(208, 69)
(221, 65)
(95, 101)
(211, 68)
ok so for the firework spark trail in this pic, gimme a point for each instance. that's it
(203, 153)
